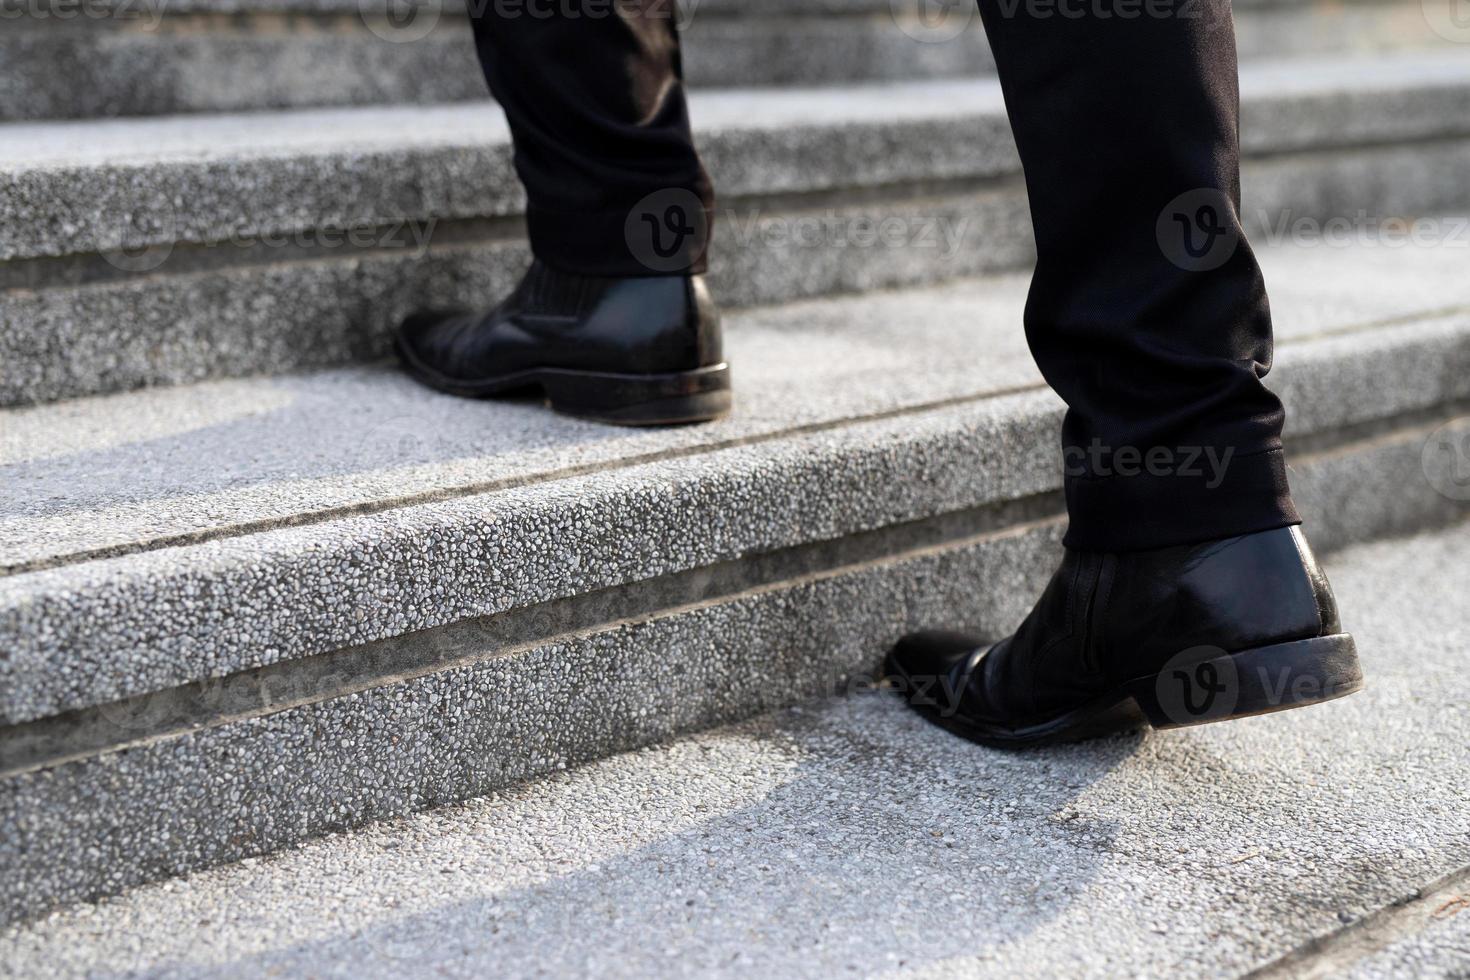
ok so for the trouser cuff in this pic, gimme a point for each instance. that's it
(1144, 505)
(665, 234)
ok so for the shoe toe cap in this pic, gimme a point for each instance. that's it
(931, 652)
(418, 330)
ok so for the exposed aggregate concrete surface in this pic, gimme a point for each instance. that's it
(247, 269)
(187, 58)
(850, 836)
(121, 472)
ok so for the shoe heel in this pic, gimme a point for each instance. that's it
(1204, 685)
(641, 399)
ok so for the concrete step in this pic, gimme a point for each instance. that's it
(272, 609)
(241, 261)
(145, 57)
(830, 838)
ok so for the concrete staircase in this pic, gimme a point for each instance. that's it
(256, 587)
(149, 57)
(830, 838)
(158, 251)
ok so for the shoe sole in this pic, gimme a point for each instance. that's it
(1194, 691)
(680, 398)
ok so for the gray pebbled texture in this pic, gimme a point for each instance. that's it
(253, 786)
(218, 607)
(305, 298)
(250, 307)
(120, 472)
(602, 507)
(191, 61)
(156, 59)
(192, 325)
(849, 836)
(104, 822)
(1436, 945)
(336, 306)
(279, 172)
(722, 7)
(76, 188)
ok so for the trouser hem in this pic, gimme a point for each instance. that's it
(1149, 510)
(631, 242)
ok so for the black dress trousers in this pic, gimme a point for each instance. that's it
(1147, 312)
(594, 94)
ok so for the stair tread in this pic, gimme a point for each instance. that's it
(855, 816)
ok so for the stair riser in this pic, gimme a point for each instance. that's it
(176, 60)
(235, 310)
(255, 784)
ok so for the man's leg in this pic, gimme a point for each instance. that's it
(1128, 133)
(594, 94)
(613, 321)
(1183, 577)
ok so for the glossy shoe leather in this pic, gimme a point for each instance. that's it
(636, 351)
(1173, 637)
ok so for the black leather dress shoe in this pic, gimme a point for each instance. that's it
(1173, 637)
(637, 351)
